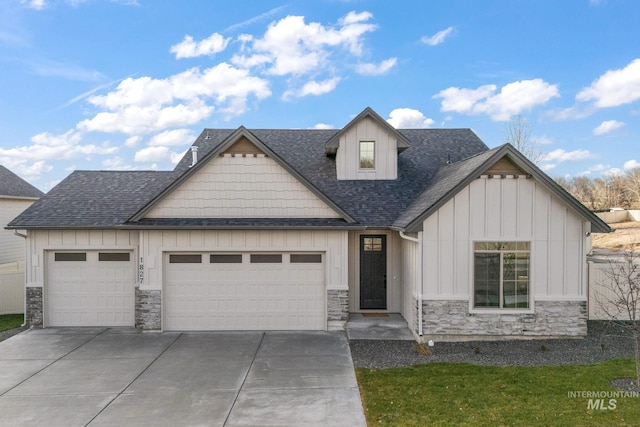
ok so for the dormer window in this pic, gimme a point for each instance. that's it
(367, 155)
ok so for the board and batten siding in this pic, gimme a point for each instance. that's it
(333, 244)
(235, 186)
(39, 241)
(11, 246)
(505, 209)
(385, 155)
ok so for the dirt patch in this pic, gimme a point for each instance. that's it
(625, 237)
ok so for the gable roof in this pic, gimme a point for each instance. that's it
(450, 179)
(230, 140)
(11, 185)
(332, 144)
(123, 197)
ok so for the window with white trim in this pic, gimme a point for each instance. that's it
(501, 275)
(367, 155)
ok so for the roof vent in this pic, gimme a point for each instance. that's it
(194, 155)
(448, 158)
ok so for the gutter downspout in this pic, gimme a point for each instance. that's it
(24, 236)
(419, 278)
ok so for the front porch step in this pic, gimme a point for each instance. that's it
(392, 327)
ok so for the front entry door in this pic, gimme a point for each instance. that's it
(373, 272)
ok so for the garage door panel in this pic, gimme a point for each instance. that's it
(89, 292)
(245, 296)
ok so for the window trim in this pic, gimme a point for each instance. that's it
(373, 159)
(498, 310)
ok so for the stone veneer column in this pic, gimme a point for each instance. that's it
(148, 309)
(337, 308)
(33, 316)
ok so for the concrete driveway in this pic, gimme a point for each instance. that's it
(120, 377)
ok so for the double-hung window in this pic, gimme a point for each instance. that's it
(501, 275)
(367, 155)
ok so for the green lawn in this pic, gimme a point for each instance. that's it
(468, 395)
(10, 321)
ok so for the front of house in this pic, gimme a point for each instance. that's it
(295, 229)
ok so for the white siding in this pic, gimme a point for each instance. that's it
(333, 243)
(11, 246)
(494, 209)
(386, 152)
(409, 280)
(242, 187)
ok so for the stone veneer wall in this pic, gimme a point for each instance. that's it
(148, 310)
(33, 316)
(337, 304)
(551, 318)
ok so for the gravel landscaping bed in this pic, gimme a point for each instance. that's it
(604, 341)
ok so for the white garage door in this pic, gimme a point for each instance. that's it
(90, 288)
(244, 291)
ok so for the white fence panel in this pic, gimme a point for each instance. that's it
(12, 288)
(601, 293)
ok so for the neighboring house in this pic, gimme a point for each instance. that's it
(16, 195)
(294, 229)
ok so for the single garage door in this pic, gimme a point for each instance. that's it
(244, 291)
(90, 288)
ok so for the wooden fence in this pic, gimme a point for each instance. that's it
(12, 288)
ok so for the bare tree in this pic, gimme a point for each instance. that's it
(619, 298)
(518, 133)
(632, 185)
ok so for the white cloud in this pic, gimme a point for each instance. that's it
(132, 141)
(323, 126)
(513, 98)
(117, 164)
(188, 48)
(293, 47)
(369, 69)
(144, 105)
(607, 126)
(615, 87)
(66, 71)
(255, 19)
(559, 155)
(631, 164)
(438, 37)
(32, 159)
(613, 172)
(596, 168)
(152, 154)
(407, 118)
(313, 88)
(172, 137)
(34, 4)
(543, 140)
(548, 167)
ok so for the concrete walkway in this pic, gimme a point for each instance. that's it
(120, 377)
(391, 326)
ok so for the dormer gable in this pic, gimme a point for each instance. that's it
(367, 148)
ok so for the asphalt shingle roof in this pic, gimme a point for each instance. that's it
(110, 198)
(94, 199)
(11, 185)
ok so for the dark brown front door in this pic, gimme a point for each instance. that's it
(373, 272)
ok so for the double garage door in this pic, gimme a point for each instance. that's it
(202, 291)
(244, 291)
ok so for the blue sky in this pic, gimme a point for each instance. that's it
(129, 84)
